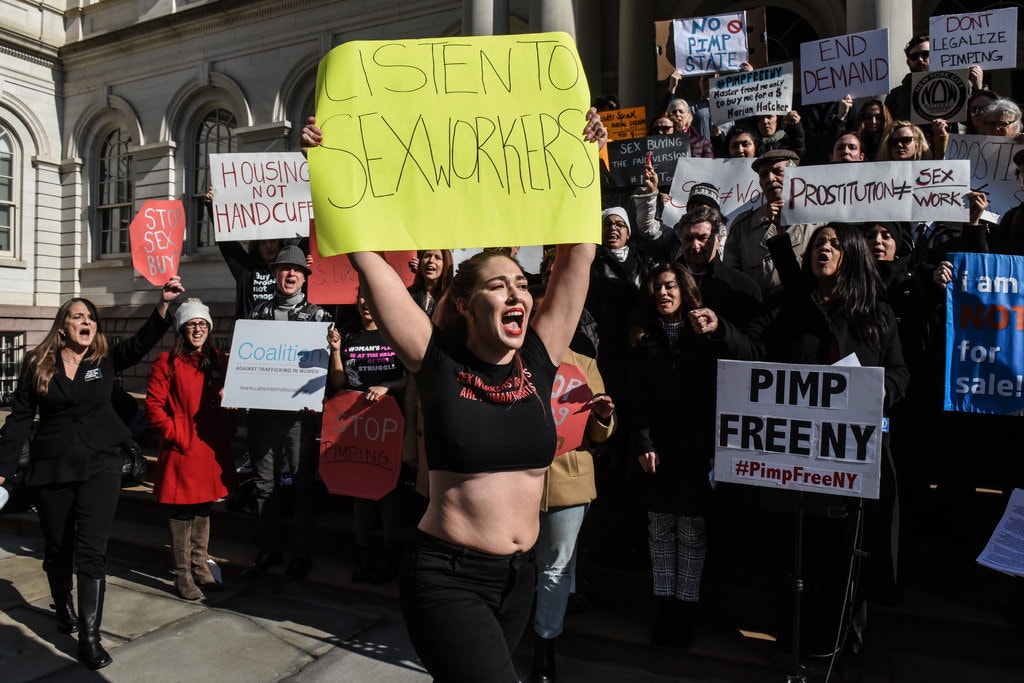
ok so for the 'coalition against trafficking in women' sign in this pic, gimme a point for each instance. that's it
(453, 142)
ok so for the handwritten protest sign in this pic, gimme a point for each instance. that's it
(361, 445)
(939, 95)
(752, 93)
(988, 39)
(333, 280)
(453, 142)
(570, 407)
(738, 186)
(627, 159)
(992, 169)
(277, 365)
(881, 191)
(800, 427)
(984, 340)
(157, 233)
(855, 64)
(260, 196)
(707, 45)
(625, 124)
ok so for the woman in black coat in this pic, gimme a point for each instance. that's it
(76, 453)
(672, 390)
(833, 307)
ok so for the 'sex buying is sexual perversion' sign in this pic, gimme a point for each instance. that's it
(800, 427)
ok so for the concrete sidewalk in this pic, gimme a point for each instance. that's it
(249, 634)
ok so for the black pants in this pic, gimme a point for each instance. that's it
(466, 610)
(188, 512)
(274, 437)
(76, 518)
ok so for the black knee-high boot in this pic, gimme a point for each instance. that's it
(59, 579)
(90, 607)
(543, 660)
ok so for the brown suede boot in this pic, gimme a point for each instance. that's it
(181, 532)
(200, 554)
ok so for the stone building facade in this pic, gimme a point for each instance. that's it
(107, 103)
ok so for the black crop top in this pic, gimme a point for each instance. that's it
(479, 417)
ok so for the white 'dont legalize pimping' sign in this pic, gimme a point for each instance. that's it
(277, 365)
(800, 427)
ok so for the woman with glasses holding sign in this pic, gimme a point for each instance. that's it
(485, 374)
(195, 464)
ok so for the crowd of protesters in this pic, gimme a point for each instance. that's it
(663, 303)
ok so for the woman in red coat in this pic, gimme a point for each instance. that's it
(195, 466)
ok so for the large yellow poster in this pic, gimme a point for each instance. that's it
(453, 143)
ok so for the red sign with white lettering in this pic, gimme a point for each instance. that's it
(361, 445)
(570, 406)
(157, 233)
(335, 281)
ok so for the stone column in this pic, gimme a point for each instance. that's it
(897, 16)
(553, 15)
(637, 71)
(484, 17)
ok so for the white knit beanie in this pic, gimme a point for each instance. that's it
(192, 308)
(617, 211)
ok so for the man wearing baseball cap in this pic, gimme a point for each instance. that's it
(746, 248)
(276, 435)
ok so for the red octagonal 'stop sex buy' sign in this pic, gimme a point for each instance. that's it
(570, 407)
(157, 233)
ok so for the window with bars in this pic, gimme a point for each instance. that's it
(114, 194)
(12, 352)
(8, 192)
(215, 135)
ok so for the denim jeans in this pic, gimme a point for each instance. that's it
(556, 566)
(465, 610)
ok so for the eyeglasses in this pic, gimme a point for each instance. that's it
(1001, 124)
(197, 325)
(974, 111)
(914, 56)
(905, 141)
(664, 129)
(616, 225)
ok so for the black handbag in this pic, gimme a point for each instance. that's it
(134, 465)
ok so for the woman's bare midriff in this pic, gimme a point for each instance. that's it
(493, 512)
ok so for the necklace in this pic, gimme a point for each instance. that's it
(70, 360)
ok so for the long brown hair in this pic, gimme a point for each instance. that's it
(41, 362)
(419, 284)
(207, 352)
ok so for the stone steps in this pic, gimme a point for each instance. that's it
(955, 612)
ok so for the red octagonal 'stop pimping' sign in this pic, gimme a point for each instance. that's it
(570, 406)
(361, 445)
(157, 233)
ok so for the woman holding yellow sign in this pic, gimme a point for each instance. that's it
(485, 373)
